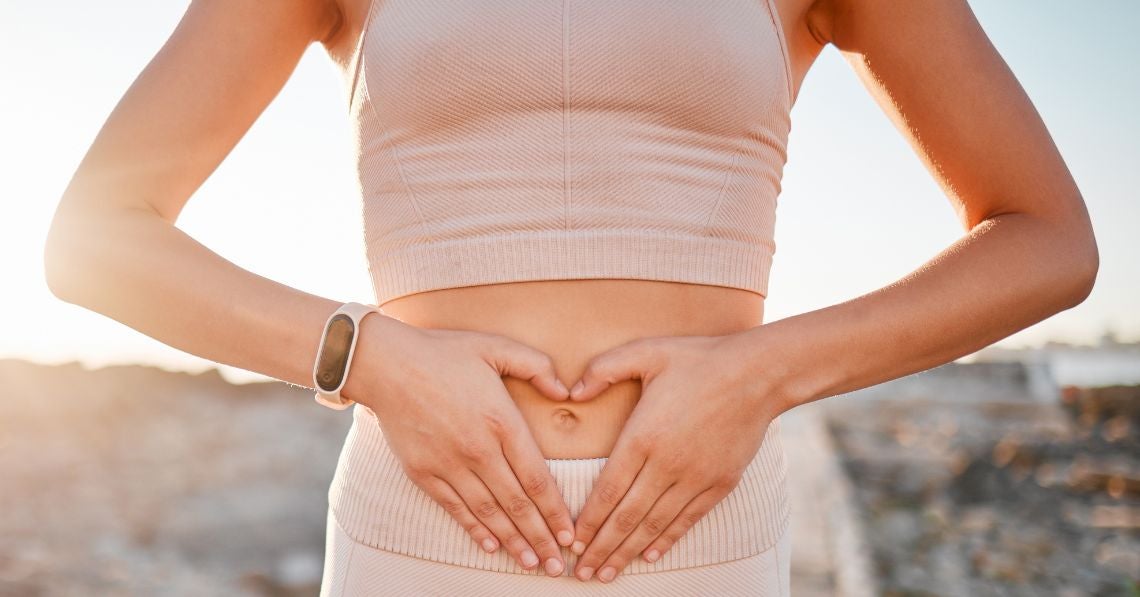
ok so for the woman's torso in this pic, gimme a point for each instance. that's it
(576, 319)
(573, 320)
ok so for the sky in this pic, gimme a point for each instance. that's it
(857, 211)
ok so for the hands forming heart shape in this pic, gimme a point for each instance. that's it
(699, 422)
(448, 418)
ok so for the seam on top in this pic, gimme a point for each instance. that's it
(777, 24)
(567, 197)
(408, 192)
(728, 176)
(358, 55)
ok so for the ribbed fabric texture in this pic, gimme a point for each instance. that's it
(379, 506)
(513, 140)
(354, 570)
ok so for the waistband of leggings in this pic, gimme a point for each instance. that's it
(379, 506)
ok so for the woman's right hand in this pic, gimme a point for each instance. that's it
(449, 420)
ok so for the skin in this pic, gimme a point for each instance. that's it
(1029, 252)
(657, 382)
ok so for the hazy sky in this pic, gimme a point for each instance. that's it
(857, 212)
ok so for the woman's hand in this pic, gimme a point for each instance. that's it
(699, 422)
(449, 420)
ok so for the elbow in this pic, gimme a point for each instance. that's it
(1088, 276)
(58, 268)
(1080, 278)
(67, 252)
(86, 250)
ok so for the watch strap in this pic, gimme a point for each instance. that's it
(356, 312)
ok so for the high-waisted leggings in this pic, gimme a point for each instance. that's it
(386, 536)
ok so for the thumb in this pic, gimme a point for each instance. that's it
(515, 359)
(631, 360)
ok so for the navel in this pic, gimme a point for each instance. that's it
(564, 418)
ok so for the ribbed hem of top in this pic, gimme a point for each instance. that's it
(570, 254)
(378, 505)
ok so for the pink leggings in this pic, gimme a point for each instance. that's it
(385, 536)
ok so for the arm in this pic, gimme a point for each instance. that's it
(1029, 253)
(113, 248)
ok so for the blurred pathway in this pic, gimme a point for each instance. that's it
(829, 554)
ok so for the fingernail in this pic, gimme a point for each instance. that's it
(578, 548)
(607, 574)
(488, 545)
(565, 537)
(577, 389)
(652, 555)
(585, 573)
(529, 559)
(553, 566)
(561, 386)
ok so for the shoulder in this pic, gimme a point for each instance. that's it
(800, 21)
(850, 25)
(345, 23)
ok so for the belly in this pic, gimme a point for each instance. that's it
(573, 320)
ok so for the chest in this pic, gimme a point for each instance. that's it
(712, 66)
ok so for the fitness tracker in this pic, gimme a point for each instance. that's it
(334, 355)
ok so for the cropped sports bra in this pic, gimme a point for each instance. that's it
(513, 140)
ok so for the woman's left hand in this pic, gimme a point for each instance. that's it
(700, 421)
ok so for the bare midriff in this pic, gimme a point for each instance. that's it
(572, 321)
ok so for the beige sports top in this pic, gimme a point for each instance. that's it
(512, 140)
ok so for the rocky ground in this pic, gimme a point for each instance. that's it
(1003, 498)
(138, 481)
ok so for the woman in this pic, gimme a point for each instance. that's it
(576, 194)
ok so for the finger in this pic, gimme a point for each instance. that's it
(664, 511)
(525, 513)
(501, 480)
(612, 483)
(445, 495)
(488, 510)
(626, 516)
(624, 362)
(524, 362)
(529, 466)
(694, 511)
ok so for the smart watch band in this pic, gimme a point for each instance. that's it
(334, 355)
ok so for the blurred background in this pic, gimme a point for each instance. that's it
(128, 467)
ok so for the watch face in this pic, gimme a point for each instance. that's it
(333, 359)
